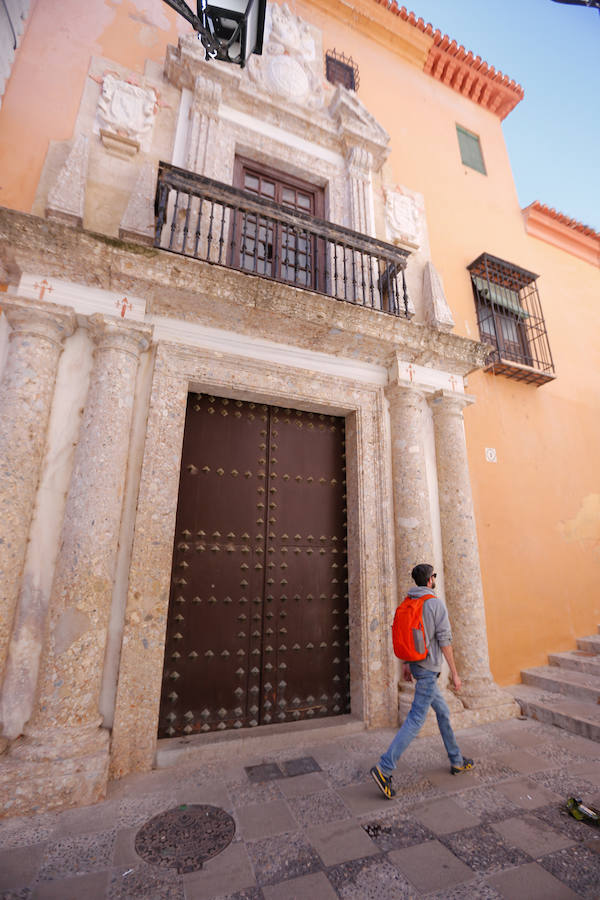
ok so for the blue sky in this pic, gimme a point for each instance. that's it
(553, 51)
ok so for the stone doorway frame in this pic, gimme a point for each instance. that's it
(372, 585)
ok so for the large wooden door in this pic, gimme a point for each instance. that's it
(258, 617)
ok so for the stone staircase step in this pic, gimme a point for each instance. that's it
(577, 716)
(572, 683)
(578, 660)
(590, 644)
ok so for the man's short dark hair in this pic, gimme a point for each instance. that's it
(421, 574)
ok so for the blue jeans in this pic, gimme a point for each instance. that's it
(427, 694)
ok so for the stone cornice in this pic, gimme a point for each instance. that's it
(566, 234)
(191, 290)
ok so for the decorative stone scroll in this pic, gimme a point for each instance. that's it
(138, 219)
(66, 198)
(437, 311)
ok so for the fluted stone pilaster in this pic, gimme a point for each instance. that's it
(36, 340)
(462, 573)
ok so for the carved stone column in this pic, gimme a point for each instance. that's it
(26, 391)
(65, 725)
(412, 514)
(462, 573)
(412, 510)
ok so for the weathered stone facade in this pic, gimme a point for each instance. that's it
(145, 327)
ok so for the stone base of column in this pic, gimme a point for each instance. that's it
(483, 693)
(502, 707)
(31, 784)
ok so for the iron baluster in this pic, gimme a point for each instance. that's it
(233, 229)
(353, 257)
(344, 248)
(335, 262)
(198, 226)
(405, 293)
(362, 275)
(162, 195)
(256, 239)
(222, 232)
(187, 221)
(174, 221)
(209, 239)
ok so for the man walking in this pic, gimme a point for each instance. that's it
(427, 693)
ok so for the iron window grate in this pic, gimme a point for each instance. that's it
(341, 69)
(510, 318)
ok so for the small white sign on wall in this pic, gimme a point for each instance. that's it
(490, 454)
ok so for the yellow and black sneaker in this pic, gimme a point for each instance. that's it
(466, 765)
(383, 782)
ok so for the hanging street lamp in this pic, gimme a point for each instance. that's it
(230, 31)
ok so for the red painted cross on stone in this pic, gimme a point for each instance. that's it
(123, 305)
(43, 287)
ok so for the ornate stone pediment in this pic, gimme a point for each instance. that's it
(356, 125)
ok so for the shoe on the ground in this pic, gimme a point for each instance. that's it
(466, 765)
(383, 782)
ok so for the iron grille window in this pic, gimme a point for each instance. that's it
(341, 69)
(510, 319)
(470, 150)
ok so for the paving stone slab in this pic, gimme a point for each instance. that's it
(373, 878)
(213, 794)
(303, 785)
(365, 798)
(91, 887)
(124, 849)
(144, 882)
(263, 772)
(557, 816)
(285, 856)
(530, 881)
(225, 873)
(484, 850)
(72, 856)
(323, 806)
(589, 770)
(532, 836)
(523, 761)
(87, 819)
(338, 842)
(395, 830)
(22, 831)
(564, 784)
(442, 778)
(19, 866)
(444, 816)
(23, 894)
(301, 766)
(244, 793)
(487, 803)
(578, 867)
(477, 889)
(137, 810)
(308, 887)
(526, 793)
(431, 866)
(265, 820)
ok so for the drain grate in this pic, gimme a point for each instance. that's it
(185, 837)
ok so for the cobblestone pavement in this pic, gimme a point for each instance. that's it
(313, 825)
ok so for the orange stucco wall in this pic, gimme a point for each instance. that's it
(538, 507)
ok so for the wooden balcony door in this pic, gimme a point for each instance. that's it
(271, 248)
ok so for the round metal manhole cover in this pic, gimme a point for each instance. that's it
(185, 837)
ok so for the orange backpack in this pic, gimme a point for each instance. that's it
(408, 633)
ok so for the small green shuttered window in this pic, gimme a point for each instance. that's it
(470, 149)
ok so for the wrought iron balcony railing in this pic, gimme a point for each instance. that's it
(216, 223)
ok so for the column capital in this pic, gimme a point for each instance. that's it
(109, 333)
(49, 321)
(401, 391)
(449, 402)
